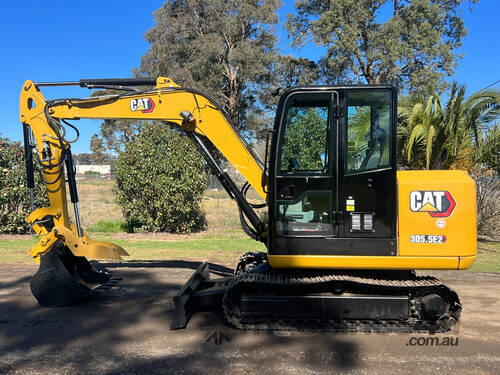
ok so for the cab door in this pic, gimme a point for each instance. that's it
(305, 191)
(367, 163)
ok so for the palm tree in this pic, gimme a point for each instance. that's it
(433, 137)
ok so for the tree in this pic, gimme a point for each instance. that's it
(84, 158)
(488, 205)
(434, 137)
(486, 170)
(116, 133)
(414, 49)
(222, 47)
(293, 71)
(286, 71)
(98, 149)
(488, 154)
(14, 194)
(160, 180)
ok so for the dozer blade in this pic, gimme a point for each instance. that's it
(200, 293)
(64, 278)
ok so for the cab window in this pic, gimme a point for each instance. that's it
(368, 130)
(304, 146)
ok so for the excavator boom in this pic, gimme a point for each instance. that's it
(47, 121)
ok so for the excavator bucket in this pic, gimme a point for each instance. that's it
(65, 275)
(64, 278)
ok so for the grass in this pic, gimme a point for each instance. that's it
(14, 251)
(219, 247)
(224, 247)
(488, 257)
(223, 239)
(97, 202)
(106, 226)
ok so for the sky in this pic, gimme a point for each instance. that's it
(69, 40)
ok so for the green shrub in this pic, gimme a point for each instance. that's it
(14, 193)
(160, 180)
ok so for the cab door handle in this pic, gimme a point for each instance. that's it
(287, 192)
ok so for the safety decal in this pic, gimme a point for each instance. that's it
(145, 105)
(350, 204)
(427, 238)
(436, 203)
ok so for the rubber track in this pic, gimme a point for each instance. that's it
(301, 282)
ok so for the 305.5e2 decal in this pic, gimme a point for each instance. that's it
(427, 238)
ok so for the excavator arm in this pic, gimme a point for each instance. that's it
(46, 130)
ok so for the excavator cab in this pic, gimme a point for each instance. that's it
(339, 198)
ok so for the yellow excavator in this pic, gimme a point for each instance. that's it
(345, 230)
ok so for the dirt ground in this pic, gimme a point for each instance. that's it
(126, 331)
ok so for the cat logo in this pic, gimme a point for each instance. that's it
(145, 105)
(436, 203)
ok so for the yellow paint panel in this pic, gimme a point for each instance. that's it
(466, 262)
(451, 233)
(363, 262)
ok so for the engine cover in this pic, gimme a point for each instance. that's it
(437, 214)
